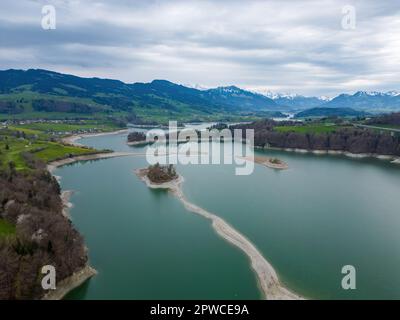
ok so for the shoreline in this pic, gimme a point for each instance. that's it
(267, 278)
(266, 162)
(70, 283)
(138, 143)
(391, 159)
(81, 276)
(71, 140)
(67, 205)
(51, 166)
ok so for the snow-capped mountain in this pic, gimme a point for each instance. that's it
(325, 98)
(292, 100)
(196, 86)
(393, 93)
(274, 95)
(237, 96)
(361, 100)
(367, 100)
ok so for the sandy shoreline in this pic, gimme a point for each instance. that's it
(138, 143)
(268, 280)
(392, 159)
(73, 138)
(78, 278)
(68, 284)
(67, 205)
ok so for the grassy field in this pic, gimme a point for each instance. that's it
(6, 228)
(52, 151)
(55, 127)
(310, 128)
(41, 140)
(45, 115)
(11, 150)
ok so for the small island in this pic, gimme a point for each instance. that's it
(136, 138)
(160, 176)
(273, 163)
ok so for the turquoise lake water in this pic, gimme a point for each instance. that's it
(309, 221)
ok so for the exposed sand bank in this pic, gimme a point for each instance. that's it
(268, 280)
(79, 277)
(76, 279)
(267, 162)
(67, 285)
(67, 205)
(392, 159)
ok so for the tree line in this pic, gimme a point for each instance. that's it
(349, 139)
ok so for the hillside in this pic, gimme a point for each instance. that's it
(34, 228)
(41, 93)
(330, 112)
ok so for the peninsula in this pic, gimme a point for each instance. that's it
(268, 279)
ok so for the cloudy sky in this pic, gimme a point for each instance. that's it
(284, 46)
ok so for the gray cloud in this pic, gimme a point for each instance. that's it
(295, 46)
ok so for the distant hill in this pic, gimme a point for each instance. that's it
(330, 112)
(40, 91)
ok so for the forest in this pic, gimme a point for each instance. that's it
(386, 119)
(136, 136)
(161, 173)
(338, 138)
(34, 231)
(42, 235)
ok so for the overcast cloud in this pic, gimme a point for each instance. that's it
(284, 46)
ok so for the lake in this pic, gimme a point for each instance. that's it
(309, 221)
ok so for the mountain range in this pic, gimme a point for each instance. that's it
(361, 100)
(40, 93)
(293, 101)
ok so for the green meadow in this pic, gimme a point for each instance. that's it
(6, 228)
(312, 128)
